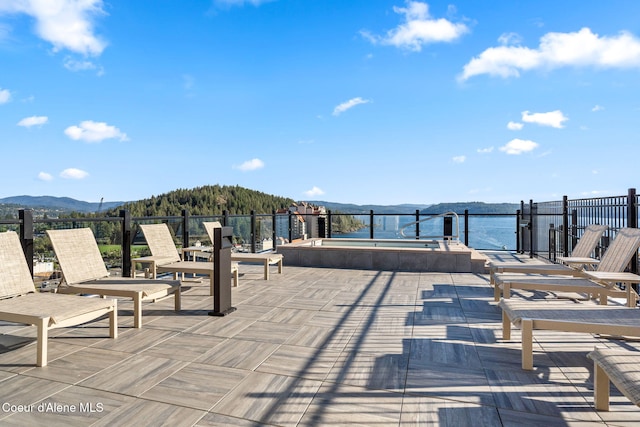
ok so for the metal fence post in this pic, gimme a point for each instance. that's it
(565, 226)
(574, 229)
(126, 243)
(518, 244)
(274, 234)
(185, 228)
(329, 220)
(531, 230)
(466, 227)
(253, 231)
(417, 224)
(225, 218)
(371, 224)
(552, 242)
(290, 218)
(26, 235)
(632, 222)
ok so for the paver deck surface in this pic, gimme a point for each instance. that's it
(310, 347)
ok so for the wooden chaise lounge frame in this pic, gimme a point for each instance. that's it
(265, 258)
(20, 303)
(565, 316)
(600, 282)
(619, 367)
(165, 258)
(84, 272)
(580, 257)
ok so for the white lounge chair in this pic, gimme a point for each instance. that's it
(264, 258)
(580, 258)
(84, 272)
(20, 303)
(165, 258)
(601, 282)
(566, 317)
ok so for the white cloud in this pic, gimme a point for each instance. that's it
(509, 39)
(250, 165)
(552, 118)
(73, 173)
(349, 104)
(66, 24)
(418, 29)
(90, 131)
(485, 150)
(459, 159)
(44, 176)
(518, 146)
(84, 65)
(241, 2)
(597, 108)
(578, 49)
(5, 96)
(514, 126)
(315, 191)
(33, 121)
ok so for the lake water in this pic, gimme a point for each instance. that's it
(485, 232)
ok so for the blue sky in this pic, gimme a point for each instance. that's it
(358, 101)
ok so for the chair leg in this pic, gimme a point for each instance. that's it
(506, 290)
(178, 299)
(137, 310)
(113, 321)
(43, 337)
(600, 388)
(527, 344)
(506, 327)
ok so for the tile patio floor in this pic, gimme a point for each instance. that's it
(310, 347)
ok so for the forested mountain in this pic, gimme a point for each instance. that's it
(207, 200)
(473, 207)
(64, 204)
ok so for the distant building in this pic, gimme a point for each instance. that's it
(307, 221)
(314, 218)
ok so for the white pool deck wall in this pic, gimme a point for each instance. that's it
(448, 256)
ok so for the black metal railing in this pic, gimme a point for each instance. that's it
(551, 229)
(121, 240)
(541, 229)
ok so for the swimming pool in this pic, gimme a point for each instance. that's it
(384, 254)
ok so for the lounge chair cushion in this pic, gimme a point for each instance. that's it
(160, 242)
(569, 312)
(58, 308)
(16, 280)
(82, 264)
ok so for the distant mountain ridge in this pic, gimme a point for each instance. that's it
(406, 208)
(473, 208)
(67, 204)
(58, 203)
